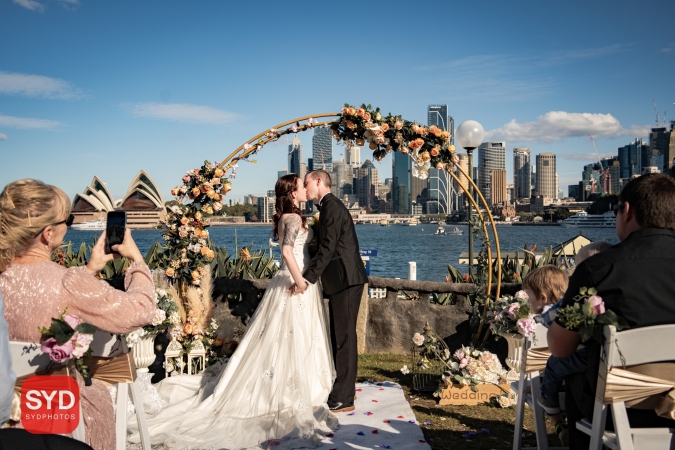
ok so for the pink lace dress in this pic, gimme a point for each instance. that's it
(34, 293)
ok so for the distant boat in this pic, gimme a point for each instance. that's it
(410, 223)
(585, 220)
(93, 225)
(384, 222)
(440, 231)
(455, 232)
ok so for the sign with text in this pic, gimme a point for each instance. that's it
(368, 252)
(50, 404)
(366, 264)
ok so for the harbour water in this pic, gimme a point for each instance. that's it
(396, 245)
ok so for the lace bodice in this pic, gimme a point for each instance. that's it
(300, 248)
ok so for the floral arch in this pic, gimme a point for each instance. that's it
(202, 190)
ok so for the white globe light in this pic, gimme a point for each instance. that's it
(470, 134)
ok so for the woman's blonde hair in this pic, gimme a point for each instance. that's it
(27, 207)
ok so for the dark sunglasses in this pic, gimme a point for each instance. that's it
(69, 221)
(617, 207)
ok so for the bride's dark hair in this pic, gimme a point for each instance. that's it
(284, 189)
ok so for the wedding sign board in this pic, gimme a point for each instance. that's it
(458, 394)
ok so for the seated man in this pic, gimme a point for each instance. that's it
(636, 279)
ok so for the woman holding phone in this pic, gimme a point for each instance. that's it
(34, 218)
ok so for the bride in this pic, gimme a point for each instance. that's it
(275, 386)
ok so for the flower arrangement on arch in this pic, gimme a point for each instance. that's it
(512, 315)
(589, 316)
(166, 316)
(428, 146)
(68, 338)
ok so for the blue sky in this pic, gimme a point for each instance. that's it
(91, 87)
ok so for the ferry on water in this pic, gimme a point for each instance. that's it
(92, 225)
(585, 220)
(410, 223)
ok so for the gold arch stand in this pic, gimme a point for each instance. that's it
(253, 145)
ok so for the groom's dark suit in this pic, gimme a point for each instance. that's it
(339, 265)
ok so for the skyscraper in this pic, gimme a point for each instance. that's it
(401, 183)
(322, 149)
(630, 158)
(522, 172)
(366, 177)
(295, 155)
(439, 186)
(282, 173)
(353, 156)
(498, 187)
(491, 156)
(546, 175)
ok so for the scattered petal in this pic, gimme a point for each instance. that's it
(359, 390)
(382, 389)
(351, 413)
(385, 446)
(368, 413)
(330, 435)
(400, 417)
(422, 441)
(374, 431)
(411, 421)
(374, 401)
(386, 421)
(361, 433)
(426, 423)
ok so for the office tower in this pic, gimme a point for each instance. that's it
(522, 173)
(659, 138)
(401, 183)
(295, 155)
(438, 115)
(497, 187)
(266, 208)
(630, 158)
(353, 156)
(669, 155)
(439, 186)
(342, 178)
(303, 170)
(366, 178)
(546, 176)
(614, 176)
(419, 189)
(282, 173)
(573, 191)
(322, 149)
(310, 164)
(491, 156)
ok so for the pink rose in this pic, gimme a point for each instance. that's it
(463, 363)
(459, 354)
(511, 311)
(58, 353)
(82, 342)
(72, 320)
(526, 326)
(598, 304)
(186, 178)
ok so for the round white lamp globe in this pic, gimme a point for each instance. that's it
(470, 134)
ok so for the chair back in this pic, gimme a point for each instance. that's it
(639, 346)
(28, 358)
(538, 339)
(107, 345)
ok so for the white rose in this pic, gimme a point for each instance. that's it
(418, 339)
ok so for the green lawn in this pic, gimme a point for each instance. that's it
(449, 423)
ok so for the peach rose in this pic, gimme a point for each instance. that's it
(174, 192)
(211, 193)
(445, 135)
(345, 110)
(420, 142)
(211, 254)
(198, 215)
(351, 111)
(188, 329)
(215, 180)
(196, 191)
(170, 272)
(218, 173)
(360, 112)
(217, 197)
(452, 148)
(205, 234)
(206, 187)
(434, 151)
(197, 232)
(227, 187)
(204, 251)
(349, 124)
(425, 156)
(405, 150)
(366, 116)
(384, 127)
(184, 220)
(196, 171)
(398, 125)
(196, 275)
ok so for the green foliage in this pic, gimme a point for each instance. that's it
(603, 204)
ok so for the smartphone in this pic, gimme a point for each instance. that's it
(115, 229)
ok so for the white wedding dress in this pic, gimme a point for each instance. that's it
(273, 390)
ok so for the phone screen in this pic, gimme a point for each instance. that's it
(116, 226)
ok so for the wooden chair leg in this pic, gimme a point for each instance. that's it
(137, 399)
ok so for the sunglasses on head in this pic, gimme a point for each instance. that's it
(617, 207)
(68, 221)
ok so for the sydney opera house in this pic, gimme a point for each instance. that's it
(142, 202)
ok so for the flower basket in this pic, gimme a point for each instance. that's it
(460, 394)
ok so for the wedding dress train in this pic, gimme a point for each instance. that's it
(273, 390)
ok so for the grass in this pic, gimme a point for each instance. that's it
(449, 423)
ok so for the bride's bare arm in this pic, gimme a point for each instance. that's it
(292, 223)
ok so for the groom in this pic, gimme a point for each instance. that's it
(339, 265)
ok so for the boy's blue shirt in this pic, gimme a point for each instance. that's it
(548, 315)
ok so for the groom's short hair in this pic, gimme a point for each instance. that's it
(323, 175)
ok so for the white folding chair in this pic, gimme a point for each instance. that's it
(107, 345)
(536, 341)
(28, 358)
(637, 346)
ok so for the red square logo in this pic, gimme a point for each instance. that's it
(50, 404)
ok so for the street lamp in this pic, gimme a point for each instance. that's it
(470, 135)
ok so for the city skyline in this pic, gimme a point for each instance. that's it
(178, 87)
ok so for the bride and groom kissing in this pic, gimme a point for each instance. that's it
(292, 371)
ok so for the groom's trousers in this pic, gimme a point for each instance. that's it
(344, 311)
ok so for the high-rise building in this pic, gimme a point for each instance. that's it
(282, 173)
(439, 185)
(522, 172)
(659, 138)
(266, 208)
(491, 156)
(669, 155)
(303, 170)
(630, 158)
(546, 176)
(295, 155)
(342, 178)
(498, 187)
(322, 149)
(353, 156)
(401, 183)
(419, 189)
(366, 179)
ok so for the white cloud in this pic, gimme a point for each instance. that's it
(181, 112)
(31, 4)
(3, 137)
(560, 125)
(28, 123)
(37, 86)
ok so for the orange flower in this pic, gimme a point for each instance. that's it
(366, 116)
(211, 254)
(206, 187)
(217, 342)
(445, 135)
(452, 148)
(218, 197)
(420, 142)
(211, 193)
(204, 251)
(196, 275)
(345, 110)
(218, 173)
(188, 329)
(170, 272)
(434, 151)
(227, 187)
(198, 232)
(351, 111)
(184, 220)
(405, 150)
(384, 127)
(425, 156)
(174, 191)
(466, 278)
(205, 234)
(208, 209)
(196, 191)
(349, 124)
(360, 112)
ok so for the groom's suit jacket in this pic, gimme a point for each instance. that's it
(337, 261)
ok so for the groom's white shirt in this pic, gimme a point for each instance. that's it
(321, 200)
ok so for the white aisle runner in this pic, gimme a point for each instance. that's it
(382, 419)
